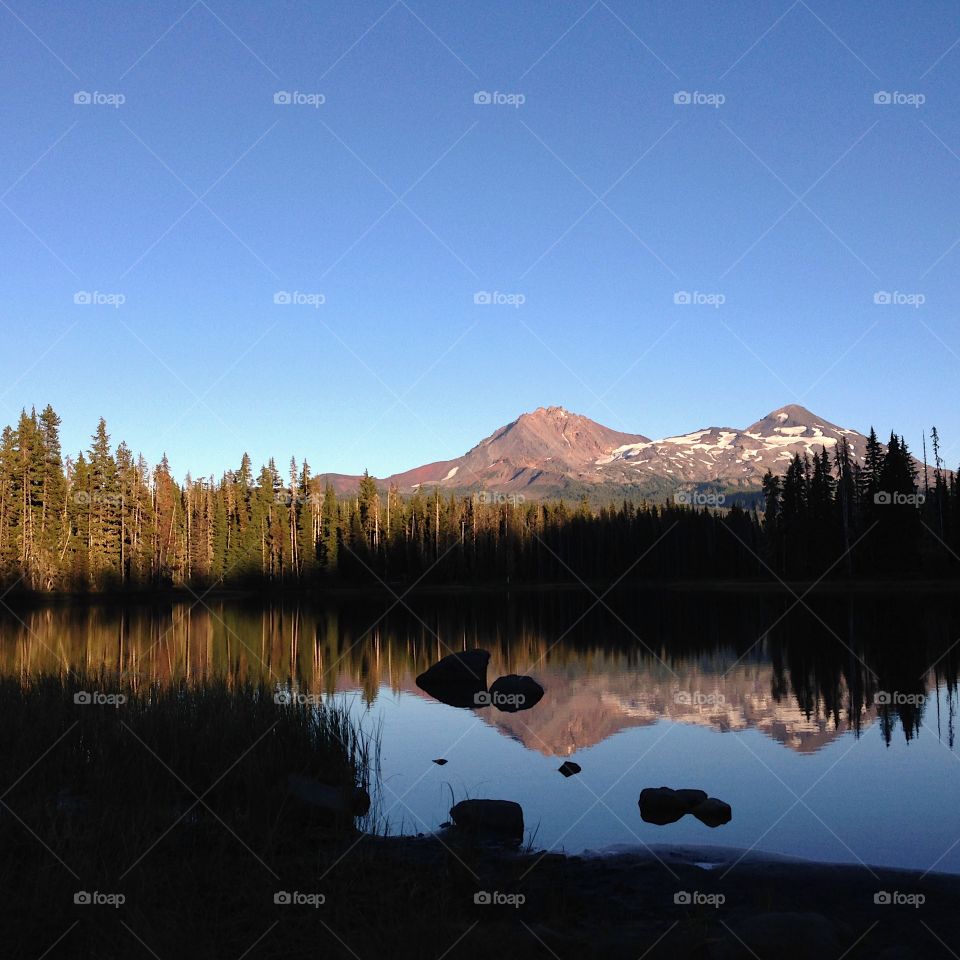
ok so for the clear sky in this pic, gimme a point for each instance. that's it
(782, 195)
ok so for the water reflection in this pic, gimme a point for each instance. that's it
(707, 660)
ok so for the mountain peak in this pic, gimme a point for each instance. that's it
(791, 416)
(552, 413)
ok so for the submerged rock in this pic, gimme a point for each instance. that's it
(568, 768)
(512, 693)
(490, 820)
(342, 800)
(713, 812)
(663, 805)
(459, 680)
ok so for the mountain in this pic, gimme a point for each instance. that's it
(552, 451)
(735, 456)
(547, 448)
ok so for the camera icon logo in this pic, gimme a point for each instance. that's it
(83, 697)
(282, 297)
(682, 898)
(481, 699)
(283, 697)
(282, 97)
(882, 297)
(482, 897)
(282, 897)
(882, 498)
(82, 97)
(882, 897)
(482, 298)
(82, 897)
(82, 297)
(681, 297)
(883, 698)
(482, 97)
(882, 97)
(682, 97)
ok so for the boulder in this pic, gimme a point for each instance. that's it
(459, 679)
(663, 805)
(512, 693)
(568, 768)
(713, 812)
(490, 820)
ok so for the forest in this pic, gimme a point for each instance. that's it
(107, 521)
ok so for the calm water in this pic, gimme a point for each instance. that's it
(779, 712)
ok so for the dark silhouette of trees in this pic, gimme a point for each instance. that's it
(105, 521)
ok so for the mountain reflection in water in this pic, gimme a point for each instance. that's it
(686, 690)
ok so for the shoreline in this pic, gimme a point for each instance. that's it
(681, 901)
(862, 587)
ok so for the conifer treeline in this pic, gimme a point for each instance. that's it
(106, 521)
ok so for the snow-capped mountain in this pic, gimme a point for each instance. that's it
(739, 456)
(552, 450)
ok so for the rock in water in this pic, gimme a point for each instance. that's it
(568, 768)
(490, 820)
(663, 805)
(713, 812)
(341, 800)
(512, 693)
(459, 679)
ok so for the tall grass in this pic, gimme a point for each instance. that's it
(134, 789)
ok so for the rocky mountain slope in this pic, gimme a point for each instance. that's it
(552, 451)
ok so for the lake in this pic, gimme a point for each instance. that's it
(827, 725)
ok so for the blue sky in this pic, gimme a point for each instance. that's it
(595, 201)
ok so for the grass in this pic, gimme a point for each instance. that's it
(161, 793)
